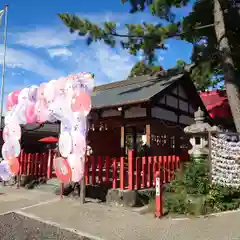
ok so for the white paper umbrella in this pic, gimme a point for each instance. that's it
(78, 143)
(11, 148)
(12, 130)
(32, 94)
(49, 91)
(5, 175)
(11, 116)
(77, 166)
(65, 144)
(23, 95)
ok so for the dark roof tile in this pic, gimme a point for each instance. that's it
(132, 90)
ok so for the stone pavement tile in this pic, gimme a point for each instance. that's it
(111, 223)
(12, 198)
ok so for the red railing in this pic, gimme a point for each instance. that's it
(131, 172)
(35, 164)
(124, 172)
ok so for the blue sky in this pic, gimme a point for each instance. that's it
(40, 48)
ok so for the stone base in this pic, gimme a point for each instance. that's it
(125, 198)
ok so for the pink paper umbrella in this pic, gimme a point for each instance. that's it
(41, 111)
(77, 166)
(14, 97)
(30, 113)
(9, 103)
(40, 92)
(81, 102)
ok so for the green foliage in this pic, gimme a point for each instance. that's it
(145, 36)
(206, 48)
(141, 68)
(190, 193)
(196, 28)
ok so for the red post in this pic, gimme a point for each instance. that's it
(86, 171)
(169, 167)
(49, 173)
(149, 174)
(37, 156)
(114, 184)
(155, 158)
(165, 169)
(21, 157)
(93, 170)
(173, 168)
(100, 169)
(107, 170)
(25, 164)
(144, 179)
(130, 169)
(122, 175)
(159, 195)
(178, 162)
(138, 173)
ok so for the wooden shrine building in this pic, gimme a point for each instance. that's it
(157, 107)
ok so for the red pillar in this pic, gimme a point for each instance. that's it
(49, 173)
(159, 195)
(130, 169)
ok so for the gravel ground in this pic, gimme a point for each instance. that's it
(17, 227)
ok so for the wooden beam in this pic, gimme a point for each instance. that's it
(173, 109)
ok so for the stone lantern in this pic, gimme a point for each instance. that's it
(199, 136)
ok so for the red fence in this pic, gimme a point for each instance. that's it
(124, 173)
(131, 172)
(35, 164)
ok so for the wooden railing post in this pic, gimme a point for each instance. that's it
(122, 174)
(107, 169)
(144, 175)
(93, 158)
(115, 163)
(130, 169)
(100, 169)
(138, 172)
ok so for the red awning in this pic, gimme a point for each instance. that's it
(49, 140)
(216, 103)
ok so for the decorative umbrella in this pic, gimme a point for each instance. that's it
(48, 140)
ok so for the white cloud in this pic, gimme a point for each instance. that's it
(115, 65)
(106, 63)
(29, 62)
(59, 52)
(44, 37)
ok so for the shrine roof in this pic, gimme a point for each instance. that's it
(133, 90)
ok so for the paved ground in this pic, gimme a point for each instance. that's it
(110, 223)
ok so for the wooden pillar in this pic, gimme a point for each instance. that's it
(148, 138)
(134, 129)
(122, 142)
(148, 135)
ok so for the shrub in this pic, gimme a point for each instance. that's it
(191, 193)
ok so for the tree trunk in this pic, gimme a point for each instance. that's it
(231, 85)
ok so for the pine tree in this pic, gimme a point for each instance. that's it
(213, 27)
